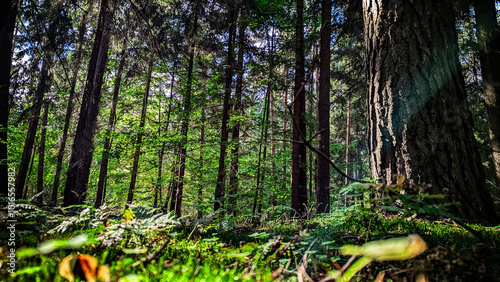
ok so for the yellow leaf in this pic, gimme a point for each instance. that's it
(66, 268)
(390, 249)
(85, 267)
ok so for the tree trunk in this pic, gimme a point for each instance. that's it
(159, 182)
(103, 171)
(179, 180)
(33, 124)
(419, 121)
(41, 154)
(299, 175)
(8, 10)
(221, 175)
(75, 191)
(201, 162)
(69, 107)
(488, 36)
(235, 134)
(140, 134)
(348, 138)
(323, 167)
(257, 202)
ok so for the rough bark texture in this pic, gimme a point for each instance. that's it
(69, 107)
(41, 154)
(299, 176)
(140, 135)
(75, 191)
(221, 175)
(323, 167)
(419, 121)
(8, 10)
(488, 35)
(103, 171)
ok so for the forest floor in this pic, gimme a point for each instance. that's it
(141, 244)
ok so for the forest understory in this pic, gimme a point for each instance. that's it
(81, 243)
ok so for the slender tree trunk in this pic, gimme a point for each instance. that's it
(348, 138)
(235, 134)
(419, 121)
(8, 10)
(140, 134)
(32, 162)
(41, 154)
(285, 104)
(159, 183)
(69, 108)
(172, 191)
(75, 191)
(179, 180)
(488, 35)
(263, 142)
(33, 124)
(323, 167)
(273, 153)
(201, 163)
(221, 175)
(299, 165)
(103, 171)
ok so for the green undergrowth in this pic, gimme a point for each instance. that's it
(143, 244)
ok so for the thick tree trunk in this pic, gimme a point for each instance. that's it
(41, 154)
(299, 175)
(419, 121)
(8, 10)
(103, 171)
(235, 134)
(140, 134)
(488, 35)
(221, 175)
(75, 191)
(69, 107)
(323, 167)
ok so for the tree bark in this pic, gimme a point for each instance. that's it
(221, 175)
(235, 133)
(419, 122)
(75, 191)
(69, 107)
(201, 163)
(159, 182)
(299, 175)
(33, 124)
(41, 154)
(323, 167)
(348, 138)
(488, 36)
(8, 10)
(103, 171)
(140, 134)
(176, 203)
